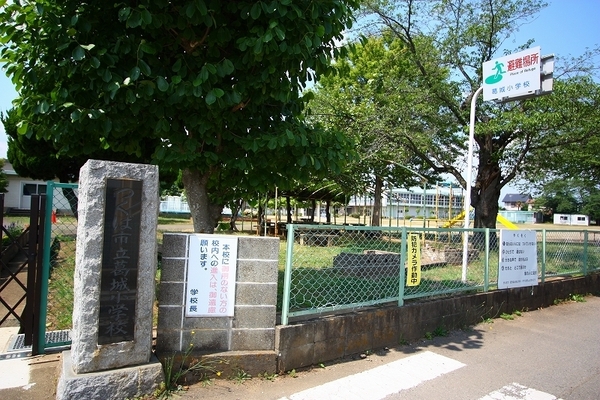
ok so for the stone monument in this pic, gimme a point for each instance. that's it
(111, 352)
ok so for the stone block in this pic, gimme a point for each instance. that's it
(170, 315)
(205, 339)
(258, 248)
(254, 317)
(172, 270)
(171, 293)
(117, 384)
(256, 293)
(290, 336)
(168, 341)
(359, 342)
(191, 323)
(386, 324)
(328, 350)
(108, 188)
(174, 245)
(296, 357)
(258, 271)
(253, 339)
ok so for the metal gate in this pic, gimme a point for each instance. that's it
(20, 272)
(41, 283)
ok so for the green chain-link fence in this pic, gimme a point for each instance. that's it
(331, 268)
(59, 262)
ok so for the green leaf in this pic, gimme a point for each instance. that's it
(146, 17)
(124, 13)
(130, 97)
(44, 107)
(162, 84)
(145, 68)
(255, 11)
(228, 66)
(107, 125)
(210, 97)
(279, 33)
(147, 48)
(106, 76)
(75, 115)
(134, 74)
(191, 9)
(22, 127)
(134, 20)
(95, 62)
(177, 66)
(201, 7)
(78, 53)
(87, 46)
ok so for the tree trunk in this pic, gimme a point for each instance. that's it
(376, 217)
(235, 210)
(486, 193)
(205, 214)
(328, 212)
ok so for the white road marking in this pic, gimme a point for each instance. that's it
(14, 373)
(382, 381)
(515, 391)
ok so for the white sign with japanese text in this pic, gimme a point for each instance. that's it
(518, 259)
(211, 272)
(513, 75)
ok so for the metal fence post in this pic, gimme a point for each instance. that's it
(287, 275)
(486, 265)
(585, 252)
(543, 255)
(45, 270)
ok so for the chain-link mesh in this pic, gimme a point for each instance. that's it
(62, 256)
(341, 267)
(569, 252)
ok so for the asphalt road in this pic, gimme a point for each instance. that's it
(551, 353)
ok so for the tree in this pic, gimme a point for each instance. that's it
(3, 178)
(570, 196)
(372, 84)
(460, 36)
(37, 158)
(217, 83)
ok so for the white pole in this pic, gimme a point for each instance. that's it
(467, 198)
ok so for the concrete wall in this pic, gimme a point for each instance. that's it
(328, 338)
(249, 336)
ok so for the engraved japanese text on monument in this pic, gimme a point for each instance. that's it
(120, 257)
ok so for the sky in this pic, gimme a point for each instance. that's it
(564, 28)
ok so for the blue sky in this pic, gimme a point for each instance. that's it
(565, 27)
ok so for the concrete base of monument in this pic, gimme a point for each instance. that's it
(122, 383)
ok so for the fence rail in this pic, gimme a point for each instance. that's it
(331, 268)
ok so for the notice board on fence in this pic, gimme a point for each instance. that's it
(211, 273)
(517, 266)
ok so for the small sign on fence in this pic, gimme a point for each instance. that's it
(413, 277)
(211, 276)
(518, 259)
